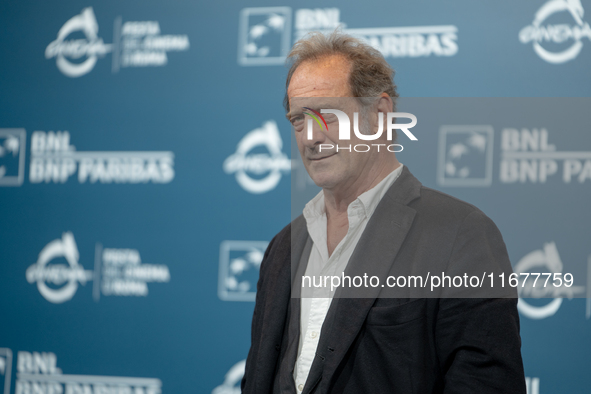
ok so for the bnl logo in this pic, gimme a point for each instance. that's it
(465, 156)
(239, 269)
(264, 36)
(5, 369)
(12, 156)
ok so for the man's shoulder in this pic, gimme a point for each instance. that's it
(428, 202)
(442, 213)
(441, 205)
(293, 229)
(285, 234)
(278, 251)
(437, 200)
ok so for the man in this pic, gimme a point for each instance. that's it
(374, 217)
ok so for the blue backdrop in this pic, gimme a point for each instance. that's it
(145, 163)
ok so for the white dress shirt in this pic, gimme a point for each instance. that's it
(314, 309)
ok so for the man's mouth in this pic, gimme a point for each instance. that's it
(321, 157)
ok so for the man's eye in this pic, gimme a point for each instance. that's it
(330, 118)
(297, 122)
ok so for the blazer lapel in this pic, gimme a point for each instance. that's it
(299, 260)
(374, 255)
(276, 301)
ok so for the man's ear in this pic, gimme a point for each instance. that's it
(385, 103)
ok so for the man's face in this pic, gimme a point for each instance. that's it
(319, 85)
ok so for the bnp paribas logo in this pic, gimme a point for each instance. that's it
(465, 155)
(5, 369)
(265, 36)
(12, 156)
(240, 262)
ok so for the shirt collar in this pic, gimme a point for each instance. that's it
(365, 204)
(315, 208)
(371, 198)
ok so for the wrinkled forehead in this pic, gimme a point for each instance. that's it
(324, 77)
(300, 104)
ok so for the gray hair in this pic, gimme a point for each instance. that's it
(371, 75)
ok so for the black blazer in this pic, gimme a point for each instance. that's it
(394, 345)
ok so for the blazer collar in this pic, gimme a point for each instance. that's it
(276, 310)
(374, 254)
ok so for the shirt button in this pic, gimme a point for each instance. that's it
(313, 334)
(300, 387)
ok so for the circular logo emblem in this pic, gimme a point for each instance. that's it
(66, 276)
(232, 380)
(538, 32)
(90, 47)
(270, 166)
(541, 261)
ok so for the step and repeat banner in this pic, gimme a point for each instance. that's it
(145, 163)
